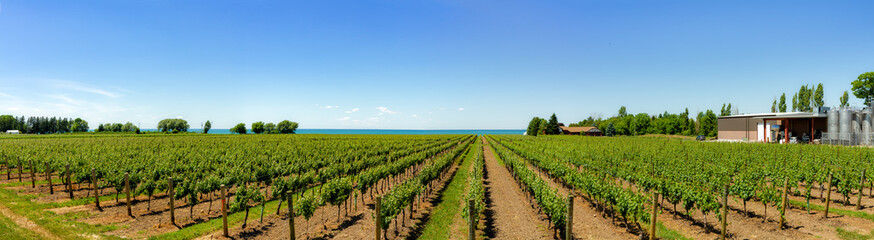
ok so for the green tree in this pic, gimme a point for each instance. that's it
(79, 125)
(240, 128)
(541, 128)
(173, 124)
(101, 128)
(116, 127)
(782, 105)
(817, 96)
(795, 102)
(258, 127)
(533, 125)
(207, 126)
(610, 130)
(286, 127)
(708, 123)
(844, 99)
(128, 127)
(552, 125)
(774, 106)
(622, 112)
(804, 99)
(640, 124)
(863, 87)
(270, 128)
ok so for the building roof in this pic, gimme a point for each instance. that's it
(579, 129)
(778, 115)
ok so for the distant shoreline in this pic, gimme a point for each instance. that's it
(382, 131)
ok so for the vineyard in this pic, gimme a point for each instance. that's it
(429, 186)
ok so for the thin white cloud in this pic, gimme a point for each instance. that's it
(353, 110)
(6, 95)
(76, 86)
(385, 110)
(460, 109)
(344, 119)
(65, 99)
(328, 106)
(12, 109)
(414, 115)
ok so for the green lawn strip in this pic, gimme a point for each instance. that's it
(663, 232)
(12, 231)
(850, 235)
(498, 159)
(64, 226)
(449, 210)
(817, 207)
(234, 220)
(28, 183)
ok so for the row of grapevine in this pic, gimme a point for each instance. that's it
(475, 191)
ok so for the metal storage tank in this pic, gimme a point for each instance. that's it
(845, 125)
(833, 129)
(866, 126)
(857, 128)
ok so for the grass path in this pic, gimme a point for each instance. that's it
(20, 227)
(446, 217)
(24, 214)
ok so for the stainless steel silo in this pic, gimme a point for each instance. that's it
(845, 125)
(866, 126)
(833, 129)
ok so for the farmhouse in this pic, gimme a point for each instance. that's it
(588, 131)
(774, 127)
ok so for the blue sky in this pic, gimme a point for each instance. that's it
(419, 64)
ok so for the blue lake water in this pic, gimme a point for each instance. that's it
(385, 131)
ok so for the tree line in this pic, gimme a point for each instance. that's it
(624, 123)
(283, 127)
(42, 125)
(118, 127)
(808, 98)
(540, 126)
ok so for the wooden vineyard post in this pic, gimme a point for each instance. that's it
(654, 220)
(290, 215)
(94, 186)
(828, 194)
(69, 182)
(569, 231)
(172, 203)
(861, 187)
(20, 169)
(471, 226)
(32, 175)
(225, 212)
(49, 177)
(127, 192)
(783, 204)
(378, 218)
(724, 212)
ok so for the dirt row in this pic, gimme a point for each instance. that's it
(508, 214)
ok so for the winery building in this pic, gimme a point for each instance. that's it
(794, 127)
